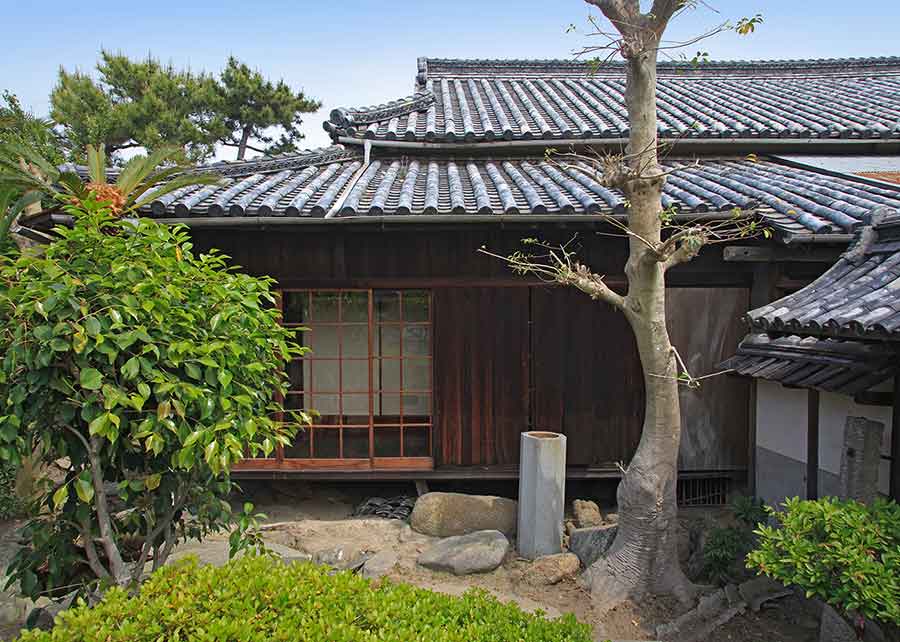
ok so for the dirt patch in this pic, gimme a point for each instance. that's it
(788, 621)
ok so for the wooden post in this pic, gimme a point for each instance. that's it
(895, 443)
(812, 445)
(762, 292)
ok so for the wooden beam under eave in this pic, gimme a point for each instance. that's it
(775, 254)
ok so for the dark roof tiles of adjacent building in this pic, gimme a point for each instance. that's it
(845, 367)
(483, 101)
(858, 297)
(336, 183)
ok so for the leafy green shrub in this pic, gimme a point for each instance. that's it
(257, 599)
(10, 504)
(749, 510)
(843, 552)
(724, 549)
(150, 369)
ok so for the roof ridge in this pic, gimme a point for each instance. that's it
(451, 66)
(294, 160)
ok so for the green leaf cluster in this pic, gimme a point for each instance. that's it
(136, 103)
(24, 128)
(260, 599)
(727, 546)
(166, 363)
(843, 552)
(144, 103)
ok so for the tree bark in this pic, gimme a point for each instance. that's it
(242, 146)
(117, 567)
(644, 557)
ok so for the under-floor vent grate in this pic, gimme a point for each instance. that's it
(703, 491)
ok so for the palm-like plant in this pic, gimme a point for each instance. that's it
(144, 178)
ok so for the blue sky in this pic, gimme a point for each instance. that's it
(351, 53)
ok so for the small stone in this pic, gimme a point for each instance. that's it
(551, 569)
(611, 518)
(570, 526)
(733, 595)
(711, 604)
(834, 628)
(590, 544)
(477, 552)
(760, 590)
(587, 513)
(380, 564)
(340, 558)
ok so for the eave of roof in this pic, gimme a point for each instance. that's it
(857, 298)
(338, 183)
(841, 366)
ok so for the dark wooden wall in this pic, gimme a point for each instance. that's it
(587, 381)
(481, 372)
(510, 358)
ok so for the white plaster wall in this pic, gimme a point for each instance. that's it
(781, 422)
(833, 412)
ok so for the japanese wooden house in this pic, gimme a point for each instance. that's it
(428, 358)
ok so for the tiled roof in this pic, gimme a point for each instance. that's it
(858, 297)
(335, 182)
(485, 100)
(846, 367)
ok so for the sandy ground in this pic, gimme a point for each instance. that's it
(300, 522)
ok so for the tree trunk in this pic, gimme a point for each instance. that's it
(644, 557)
(242, 146)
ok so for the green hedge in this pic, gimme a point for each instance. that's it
(257, 599)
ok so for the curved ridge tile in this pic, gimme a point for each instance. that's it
(407, 190)
(507, 200)
(240, 205)
(351, 204)
(562, 201)
(384, 189)
(457, 195)
(223, 200)
(535, 202)
(295, 207)
(269, 206)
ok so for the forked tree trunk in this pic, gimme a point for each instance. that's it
(644, 557)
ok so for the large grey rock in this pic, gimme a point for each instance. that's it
(551, 569)
(586, 513)
(478, 552)
(449, 514)
(590, 544)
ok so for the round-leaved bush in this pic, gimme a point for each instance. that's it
(843, 552)
(144, 370)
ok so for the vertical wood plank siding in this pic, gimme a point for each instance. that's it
(587, 376)
(481, 368)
